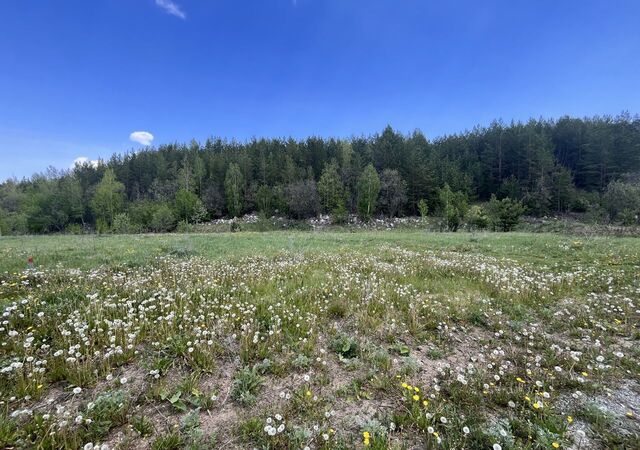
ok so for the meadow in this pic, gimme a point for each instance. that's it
(320, 340)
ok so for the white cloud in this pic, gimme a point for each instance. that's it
(82, 160)
(171, 8)
(141, 137)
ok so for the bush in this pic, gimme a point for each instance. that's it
(163, 219)
(189, 207)
(73, 228)
(622, 201)
(339, 214)
(122, 224)
(477, 218)
(628, 217)
(184, 227)
(504, 214)
(423, 209)
(13, 223)
(454, 207)
(302, 199)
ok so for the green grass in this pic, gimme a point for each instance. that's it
(329, 340)
(89, 251)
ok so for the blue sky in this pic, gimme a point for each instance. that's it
(77, 77)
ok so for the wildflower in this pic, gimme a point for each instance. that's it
(465, 430)
(77, 390)
(443, 419)
(569, 419)
(497, 447)
(555, 445)
(416, 398)
(520, 380)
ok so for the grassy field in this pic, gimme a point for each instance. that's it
(320, 340)
(90, 251)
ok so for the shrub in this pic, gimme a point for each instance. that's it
(163, 219)
(339, 214)
(622, 201)
(423, 209)
(504, 214)
(454, 207)
(302, 199)
(122, 224)
(73, 228)
(477, 217)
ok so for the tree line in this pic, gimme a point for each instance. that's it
(541, 167)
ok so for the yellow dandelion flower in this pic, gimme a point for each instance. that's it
(416, 398)
(569, 419)
(425, 403)
(417, 389)
(520, 380)
(584, 374)
(555, 445)
(404, 385)
(308, 393)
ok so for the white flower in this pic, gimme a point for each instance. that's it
(123, 380)
(77, 390)
(443, 419)
(497, 447)
(88, 446)
(465, 430)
